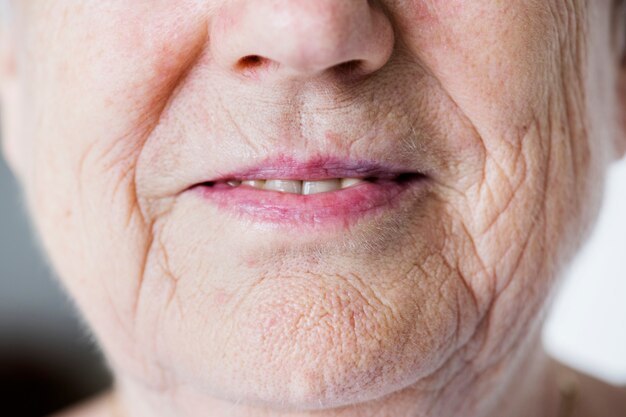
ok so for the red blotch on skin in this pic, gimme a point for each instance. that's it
(426, 12)
(272, 322)
(221, 297)
(251, 262)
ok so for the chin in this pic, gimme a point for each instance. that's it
(310, 342)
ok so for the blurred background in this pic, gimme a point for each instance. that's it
(47, 360)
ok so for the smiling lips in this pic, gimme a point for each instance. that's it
(318, 193)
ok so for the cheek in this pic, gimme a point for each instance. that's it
(515, 100)
(97, 92)
(530, 183)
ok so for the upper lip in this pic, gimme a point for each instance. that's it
(318, 168)
(164, 177)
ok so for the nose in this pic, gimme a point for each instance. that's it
(297, 39)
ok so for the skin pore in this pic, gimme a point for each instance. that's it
(113, 110)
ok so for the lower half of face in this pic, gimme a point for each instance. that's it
(319, 305)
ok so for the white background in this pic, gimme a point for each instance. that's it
(587, 326)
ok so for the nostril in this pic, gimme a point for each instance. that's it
(349, 69)
(251, 62)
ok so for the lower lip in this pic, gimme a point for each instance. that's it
(341, 207)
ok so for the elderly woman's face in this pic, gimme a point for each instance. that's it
(470, 121)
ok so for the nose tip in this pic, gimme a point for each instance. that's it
(301, 38)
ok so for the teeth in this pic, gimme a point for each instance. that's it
(315, 187)
(284, 186)
(350, 182)
(299, 187)
(254, 183)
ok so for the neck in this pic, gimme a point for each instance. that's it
(520, 385)
(531, 389)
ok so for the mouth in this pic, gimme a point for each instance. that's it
(323, 192)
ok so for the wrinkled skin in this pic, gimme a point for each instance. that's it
(115, 107)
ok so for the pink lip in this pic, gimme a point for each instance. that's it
(319, 168)
(340, 207)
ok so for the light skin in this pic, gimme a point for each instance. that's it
(512, 108)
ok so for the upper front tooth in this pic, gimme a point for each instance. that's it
(254, 183)
(300, 187)
(349, 182)
(284, 186)
(315, 187)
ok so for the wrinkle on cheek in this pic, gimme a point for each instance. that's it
(501, 189)
(138, 70)
(508, 202)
